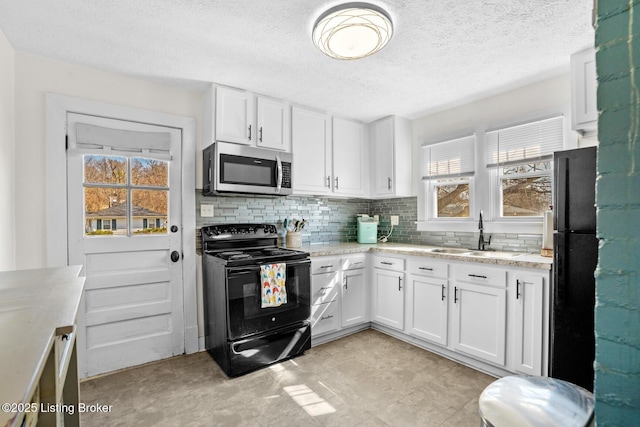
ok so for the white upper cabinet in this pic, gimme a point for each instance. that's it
(329, 154)
(235, 116)
(273, 124)
(584, 86)
(391, 157)
(349, 159)
(311, 140)
(240, 117)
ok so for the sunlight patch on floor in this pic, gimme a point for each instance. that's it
(309, 400)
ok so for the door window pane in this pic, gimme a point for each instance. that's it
(105, 169)
(149, 172)
(150, 207)
(105, 211)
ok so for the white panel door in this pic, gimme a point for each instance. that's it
(387, 300)
(235, 116)
(123, 203)
(274, 124)
(528, 321)
(354, 297)
(427, 308)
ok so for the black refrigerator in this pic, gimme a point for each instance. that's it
(575, 255)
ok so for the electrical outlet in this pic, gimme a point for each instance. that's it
(206, 211)
(395, 219)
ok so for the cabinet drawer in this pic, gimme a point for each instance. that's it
(428, 267)
(324, 265)
(324, 288)
(325, 318)
(353, 263)
(474, 273)
(388, 263)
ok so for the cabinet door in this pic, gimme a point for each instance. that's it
(584, 87)
(382, 135)
(354, 297)
(348, 157)
(527, 334)
(274, 124)
(311, 138)
(427, 309)
(388, 298)
(479, 321)
(234, 116)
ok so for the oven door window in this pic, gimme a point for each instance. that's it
(245, 315)
(247, 171)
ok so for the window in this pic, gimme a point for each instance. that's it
(520, 157)
(129, 188)
(448, 167)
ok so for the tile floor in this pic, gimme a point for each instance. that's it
(366, 379)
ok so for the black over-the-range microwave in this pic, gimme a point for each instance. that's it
(234, 168)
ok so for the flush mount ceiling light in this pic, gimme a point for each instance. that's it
(352, 31)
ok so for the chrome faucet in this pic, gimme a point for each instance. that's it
(481, 241)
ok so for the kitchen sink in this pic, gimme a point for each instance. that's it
(454, 251)
(494, 254)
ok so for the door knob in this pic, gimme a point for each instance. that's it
(174, 228)
(175, 256)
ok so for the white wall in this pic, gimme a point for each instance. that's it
(36, 76)
(493, 111)
(7, 152)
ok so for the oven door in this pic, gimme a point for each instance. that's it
(244, 299)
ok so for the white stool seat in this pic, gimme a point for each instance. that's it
(517, 401)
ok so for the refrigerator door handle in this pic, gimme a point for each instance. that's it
(559, 258)
(562, 203)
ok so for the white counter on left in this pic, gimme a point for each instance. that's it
(38, 310)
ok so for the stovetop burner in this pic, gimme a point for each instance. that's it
(246, 244)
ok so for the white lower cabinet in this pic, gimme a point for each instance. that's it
(528, 321)
(427, 303)
(339, 295)
(354, 297)
(427, 309)
(479, 321)
(387, 297)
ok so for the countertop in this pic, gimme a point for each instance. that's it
(35, 306)
(523, 260)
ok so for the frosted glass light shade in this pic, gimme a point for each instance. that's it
(352, 31)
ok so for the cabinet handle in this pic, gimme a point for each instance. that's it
(356, 263)
(328, 182)
(455, 294)
(442, 293)
(323, 290)
(477, 276)
(389, 183)
(260, 132)
(425, 268)
(336, 182)
(386, 263)
(399, 283)
(345, 282)
(326, 317)
(517, 289)
(249, 132)
(209, 173)
(326, 266)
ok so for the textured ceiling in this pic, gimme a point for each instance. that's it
(443, 52)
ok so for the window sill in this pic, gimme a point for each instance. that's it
(519, 227)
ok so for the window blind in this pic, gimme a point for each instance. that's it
(449, 159)
(92, 139)
(533, 141)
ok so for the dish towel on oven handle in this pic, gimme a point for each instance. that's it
(274, 289)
